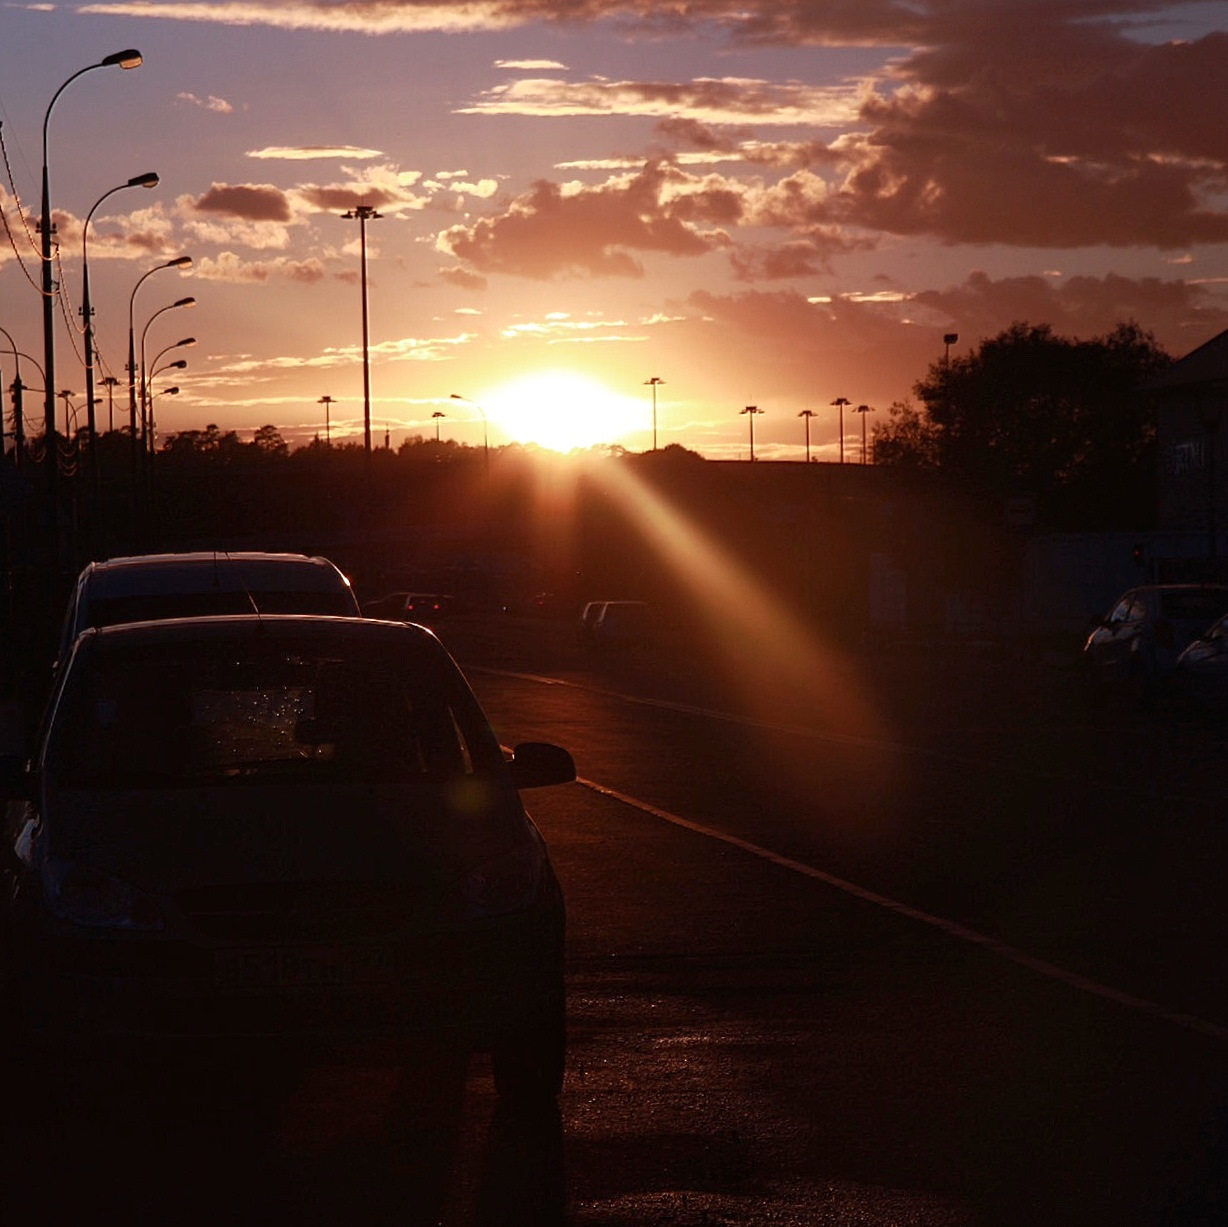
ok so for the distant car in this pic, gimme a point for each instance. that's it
(622, 625)
(1200, 676)
(1133, 650)
(281, 828)
(424, 608)
(152, 587)
(588, 619)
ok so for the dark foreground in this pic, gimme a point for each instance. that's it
(752, 1044)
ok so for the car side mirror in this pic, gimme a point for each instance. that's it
(536, 764)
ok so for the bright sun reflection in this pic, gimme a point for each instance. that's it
(561, 410)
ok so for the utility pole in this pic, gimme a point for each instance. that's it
(751, 412)
(654, 383)
(327, 401)
(364, 213)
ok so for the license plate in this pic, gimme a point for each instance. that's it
(301, 967)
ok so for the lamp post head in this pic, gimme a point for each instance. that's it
(184, 302)
(180, 364)
(178, 262)
(170, 391)
(150, 179)
(186, 343)
(125, 59)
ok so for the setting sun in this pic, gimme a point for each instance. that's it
(561, 410)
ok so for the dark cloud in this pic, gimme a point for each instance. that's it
(1044, 130)
(250, 202)
(547, 233)
(692, 134)
(335, 199)
(1079, 306)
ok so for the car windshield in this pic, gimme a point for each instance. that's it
(219, 711)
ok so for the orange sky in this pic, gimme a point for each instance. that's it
(775, 203)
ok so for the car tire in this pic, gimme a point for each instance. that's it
(528, 1061)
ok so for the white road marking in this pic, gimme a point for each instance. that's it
(951, 928)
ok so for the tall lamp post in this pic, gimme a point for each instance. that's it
(178, 262)
(149, 180)
(863, 410)
(364, 214)
(840, 402)
(807, 414)
(751, 412)
(654, 383)
(437, 415)
(327, 401)
(180, 302)
(948, 340)
(124, 59)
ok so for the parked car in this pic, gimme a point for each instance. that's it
(1200, 676)
(588, 619)
(281, 827)
(424, 608)
(146, 587)
(1134, 648)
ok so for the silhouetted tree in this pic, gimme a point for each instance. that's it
(268, 442)
(1065, 421)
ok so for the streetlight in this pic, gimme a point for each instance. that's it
(863, 410)
(174, 391)
(364, 214)
(110, 383)
(485, 434)
(840, 402)
(654, 383)
(181, 302)
(177, 262)
(948, 340)
(124, 59)
(437, 415)
(807, 414)
(149, 180)
(327, 401)
(751, 412)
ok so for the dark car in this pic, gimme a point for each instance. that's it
(1134, 648)
(148, 587)
(282, 827)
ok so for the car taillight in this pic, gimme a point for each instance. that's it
(1164, 633)
(506, 883)
(88, 897)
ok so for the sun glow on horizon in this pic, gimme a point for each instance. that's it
(562, 410)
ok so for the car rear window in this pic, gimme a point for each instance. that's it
(210, 711)
(159, 606)
(1194, 606)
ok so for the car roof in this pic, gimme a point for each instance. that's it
(141, 574)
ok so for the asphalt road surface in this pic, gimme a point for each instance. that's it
(907, 943)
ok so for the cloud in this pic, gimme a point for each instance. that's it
(462, 278)
(212, 103)
(1043, 130)
(227, 266)
(531, 65)
(303, 153)
(246, 201)
(552, 231)
(729, 100)
(1077, 306)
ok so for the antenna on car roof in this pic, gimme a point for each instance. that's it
(238, 570)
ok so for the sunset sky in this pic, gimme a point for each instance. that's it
(767, 202)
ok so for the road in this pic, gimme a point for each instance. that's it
(893, 944)
(967, 969)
